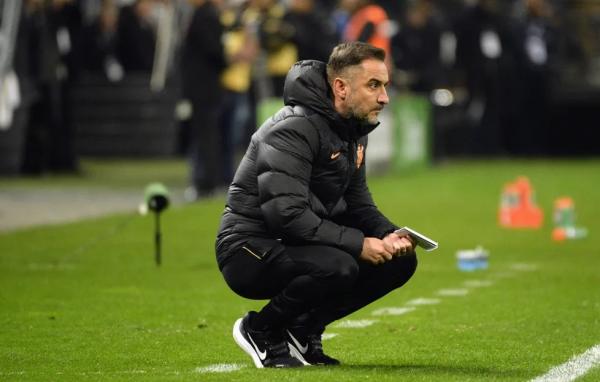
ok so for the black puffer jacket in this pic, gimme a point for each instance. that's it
(302, 180)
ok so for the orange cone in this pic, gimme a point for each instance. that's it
(517, 206)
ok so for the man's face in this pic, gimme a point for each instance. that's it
(366, 95)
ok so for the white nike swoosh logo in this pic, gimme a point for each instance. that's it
(303, 349)
(335, 155)
(261, 355)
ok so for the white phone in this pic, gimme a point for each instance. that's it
(421, 240)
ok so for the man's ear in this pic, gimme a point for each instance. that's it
(340, 88)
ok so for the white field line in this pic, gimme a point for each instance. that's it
(355, 323)
(478, 283)
(453, 292)
(503, 275)
(393, 311)
(424, 301)
(328, 336)
(524, 267)
(133, 372)
(219, 368)
(573, 368)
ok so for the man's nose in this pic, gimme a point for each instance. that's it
(383, 97)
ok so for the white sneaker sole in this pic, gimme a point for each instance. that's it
(245, 345)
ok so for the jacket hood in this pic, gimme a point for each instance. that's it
(306, 85)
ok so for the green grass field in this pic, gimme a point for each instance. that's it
(85, 301)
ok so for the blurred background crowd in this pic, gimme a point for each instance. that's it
(193, 77)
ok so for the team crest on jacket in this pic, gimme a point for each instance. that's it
(360, 154)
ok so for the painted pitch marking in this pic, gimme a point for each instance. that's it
(393, 311)
(355, 323)
(573, 368)
(453, 292)
(424, 301)
(524, 267)
(478, 283)
(219, 368)
(131, 372)
(503, 275)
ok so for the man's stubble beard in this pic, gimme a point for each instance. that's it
(364, 117)
(355, 112)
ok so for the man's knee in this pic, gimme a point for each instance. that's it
(411, 264)
(406, 267)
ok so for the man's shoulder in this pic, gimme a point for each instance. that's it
(296, 118)
(294, 111)
(291, 123)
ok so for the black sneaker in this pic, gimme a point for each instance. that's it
(308, 349)
(267, 349)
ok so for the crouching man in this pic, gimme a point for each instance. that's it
(300, 227)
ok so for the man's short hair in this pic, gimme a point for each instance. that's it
(350, 54)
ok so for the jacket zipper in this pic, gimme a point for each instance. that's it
(251, 252)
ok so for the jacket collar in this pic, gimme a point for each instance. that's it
(351, 128)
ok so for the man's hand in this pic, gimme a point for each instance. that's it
(375, 251)
(398, 245)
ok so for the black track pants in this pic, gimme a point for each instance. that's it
(316, 284)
